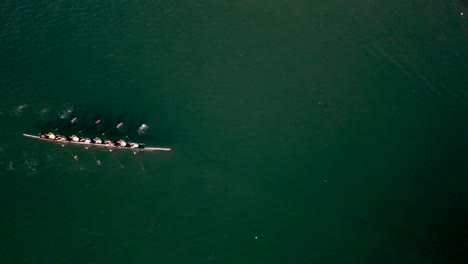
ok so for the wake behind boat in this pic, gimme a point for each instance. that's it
(120, 144)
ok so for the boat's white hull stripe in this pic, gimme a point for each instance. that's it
(99, 145)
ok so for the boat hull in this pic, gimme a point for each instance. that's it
(146, 148)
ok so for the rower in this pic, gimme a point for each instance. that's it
(60, 138)
(134, 145)
(75, 138)
(122, 143)
(97, 140)
(51, 135)
(109, 143)
(85, 140)
(42, 135)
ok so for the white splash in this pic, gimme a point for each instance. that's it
(30, 164)
(142, 129)
(44, 111)
(20, 109)
(11, 166)
(66, 113)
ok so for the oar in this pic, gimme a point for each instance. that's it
(118, 126)
(95, 123)
(75, 157)
(138, 131)
(98, 162)
(71, 121)
(134, 152)
(116, 159)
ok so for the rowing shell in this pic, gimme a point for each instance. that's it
(100, 145)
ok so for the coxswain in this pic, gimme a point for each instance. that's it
(134, 145)
(122, 143)
(42, 135)
(97, 140)
(51, 135)
(75, 138)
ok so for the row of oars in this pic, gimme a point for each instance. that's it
(98, 162)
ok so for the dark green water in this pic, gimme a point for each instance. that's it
(303, 132)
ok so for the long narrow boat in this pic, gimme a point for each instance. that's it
(142, 147)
